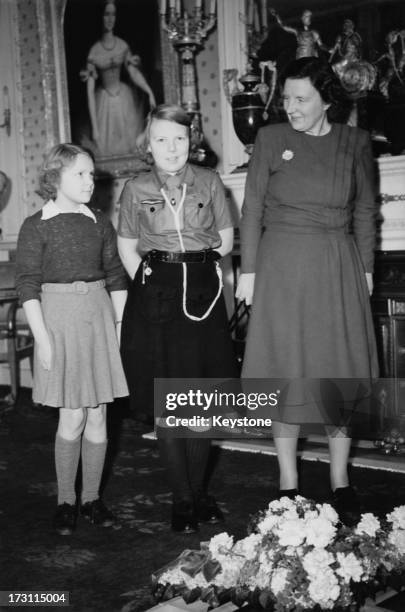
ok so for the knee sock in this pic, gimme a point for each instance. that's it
(93, 457)
(197, 452)
(67, 453)
(173, 456)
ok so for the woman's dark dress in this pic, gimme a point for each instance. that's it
(314, 197)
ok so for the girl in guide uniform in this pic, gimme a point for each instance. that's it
(174, 226)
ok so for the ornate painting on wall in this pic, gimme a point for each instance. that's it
(114, 74)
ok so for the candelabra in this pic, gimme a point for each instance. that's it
(186, 32)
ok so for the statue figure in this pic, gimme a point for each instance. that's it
(347, 48)
(308, 40)
(391, 67)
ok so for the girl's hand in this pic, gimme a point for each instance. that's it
(45, 353)
(246, 284)
(370, 284)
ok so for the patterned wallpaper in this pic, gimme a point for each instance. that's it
(209, 83)
(32, 99)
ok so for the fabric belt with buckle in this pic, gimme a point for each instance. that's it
(80, 287)
(188, 257)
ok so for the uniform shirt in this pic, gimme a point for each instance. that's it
(145, 215)
(64, 248)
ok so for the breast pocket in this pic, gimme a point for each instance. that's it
(200, 213)
(156, 217)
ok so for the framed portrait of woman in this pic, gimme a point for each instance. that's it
(109, 63)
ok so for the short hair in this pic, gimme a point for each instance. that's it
(168, 112)
(59, 157)
(325, 81)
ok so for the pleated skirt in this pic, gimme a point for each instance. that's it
(86, 368)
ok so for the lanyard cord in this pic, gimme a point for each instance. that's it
(176, 215)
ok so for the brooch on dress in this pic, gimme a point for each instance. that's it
(287, 155)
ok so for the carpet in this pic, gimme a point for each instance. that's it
(109, 569)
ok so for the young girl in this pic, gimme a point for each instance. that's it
(67, 260)
(174, 226)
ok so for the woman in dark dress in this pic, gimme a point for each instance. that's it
(308, 233)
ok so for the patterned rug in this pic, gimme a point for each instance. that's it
(109, 569)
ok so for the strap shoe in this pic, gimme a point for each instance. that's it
(64, 521)
(184, 519)
(96, 512)
(207, 510)
(346, 504)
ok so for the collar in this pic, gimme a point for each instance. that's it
(186, 175)
(50, 210)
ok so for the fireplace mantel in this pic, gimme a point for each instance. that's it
(391, 227)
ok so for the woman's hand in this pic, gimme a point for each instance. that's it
(370, 284)
(45, 353)
(246, 284)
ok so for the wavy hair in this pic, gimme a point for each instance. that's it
(325, 81)
(59, 157)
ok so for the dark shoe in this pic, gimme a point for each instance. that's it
(290, 493)
(64, 521)
(184, 519)
(207, 510)
(96, 512)
(347, 505)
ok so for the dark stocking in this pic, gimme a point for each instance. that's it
(186, 461)
(198, 451)
(173, 456)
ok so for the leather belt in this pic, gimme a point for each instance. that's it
(207, 255)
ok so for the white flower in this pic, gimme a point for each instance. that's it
(324, 589)
(316, 561)
(284, 503)
(268, 523)
(287, 155)
(230, 572)
(369, 524)
(290, 514)
(220, 544)
(261, 579)
(278, 580)
(319, 532)
(291, 532)
(328, 512)
(397, 538)
(196, 581)
(350, 567)
(397, 517)
(309, 514)
(248, 546)
(172, 576)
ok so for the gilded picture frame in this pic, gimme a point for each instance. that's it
(62, 24)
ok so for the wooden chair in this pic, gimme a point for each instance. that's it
(17, 342)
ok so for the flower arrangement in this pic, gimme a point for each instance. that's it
(297, 556)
